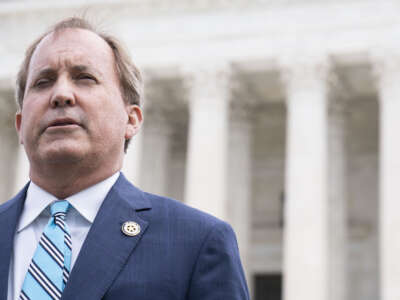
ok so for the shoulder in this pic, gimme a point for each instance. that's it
(164, 207)
(200, 248)
(160, 208)
(174, 220)
(174, 206)
(16, 201)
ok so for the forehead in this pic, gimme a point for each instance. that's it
(72, 47)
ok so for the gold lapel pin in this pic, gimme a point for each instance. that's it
(130, 228)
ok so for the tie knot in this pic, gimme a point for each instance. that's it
(59, 207)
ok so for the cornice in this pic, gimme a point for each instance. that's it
(151, 7)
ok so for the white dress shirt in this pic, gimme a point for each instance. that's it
(34, 218)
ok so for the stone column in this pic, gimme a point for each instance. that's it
(239, 177)
(207, 143)
(306, 238)
(337, 193)
(388, 73)
(156, 149)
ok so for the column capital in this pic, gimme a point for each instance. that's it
(305, 73)
(208, 81)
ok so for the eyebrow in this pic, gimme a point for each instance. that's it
(45, 72)
(74, 69)
(79, 68)
(51, 72)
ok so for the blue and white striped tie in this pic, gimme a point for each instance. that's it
(49, 270)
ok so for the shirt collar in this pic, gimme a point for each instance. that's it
(87, 202)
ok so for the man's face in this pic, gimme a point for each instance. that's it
(73, 107)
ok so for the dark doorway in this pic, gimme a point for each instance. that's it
(268, 287)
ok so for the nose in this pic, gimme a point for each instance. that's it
(63, 94)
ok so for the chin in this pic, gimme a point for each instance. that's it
(63, 158)
(63, 155)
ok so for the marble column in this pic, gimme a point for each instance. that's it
(337, 193)
(206, 174)
(388, 76)
(239, 176)
(306, 241)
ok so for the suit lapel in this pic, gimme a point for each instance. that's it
(9, 216)
(106, 248)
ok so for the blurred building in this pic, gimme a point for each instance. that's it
(280, 117)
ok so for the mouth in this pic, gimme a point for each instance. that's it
(63, 123)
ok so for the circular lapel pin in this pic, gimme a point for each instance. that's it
(130, 228)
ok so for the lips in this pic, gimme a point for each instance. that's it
(62, 122)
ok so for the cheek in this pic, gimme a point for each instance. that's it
(108, 122)
(31, 117)
(113, 112)
(26, 133)
(32, 110)
(26, 120)
(115, 122)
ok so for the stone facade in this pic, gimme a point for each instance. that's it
(277, 116)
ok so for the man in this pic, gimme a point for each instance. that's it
(79, 229)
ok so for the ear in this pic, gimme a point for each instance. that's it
(135, 119)
(18, 121)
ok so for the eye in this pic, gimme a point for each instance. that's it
(42, 82)
(86, 77)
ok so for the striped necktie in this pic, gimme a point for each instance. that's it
(50, 266)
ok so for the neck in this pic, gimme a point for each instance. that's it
(67, 180)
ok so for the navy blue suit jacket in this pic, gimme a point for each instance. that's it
(180, 253)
